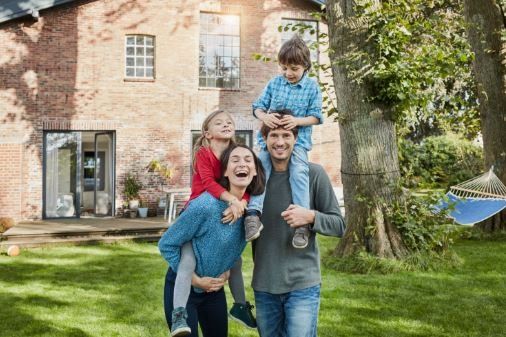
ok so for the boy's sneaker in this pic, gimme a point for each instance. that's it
(179, 326)
(243, 314)
(301, 237)
(252, 227)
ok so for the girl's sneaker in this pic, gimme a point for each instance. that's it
(243, 314)
(179, 326)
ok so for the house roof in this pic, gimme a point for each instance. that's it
(12, 9)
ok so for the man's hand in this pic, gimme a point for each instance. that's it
(289, 122)
(209, 284)
(270, 120)
(297, 216)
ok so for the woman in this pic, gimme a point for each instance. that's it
(216, 246)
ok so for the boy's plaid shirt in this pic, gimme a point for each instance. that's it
(304, 99)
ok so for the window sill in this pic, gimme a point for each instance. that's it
(219, 89)
(133, 79)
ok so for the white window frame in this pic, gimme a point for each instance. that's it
(140, 55)
(225, 40)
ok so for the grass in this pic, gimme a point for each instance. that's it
(116, 290)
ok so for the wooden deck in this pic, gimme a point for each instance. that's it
(83, 231)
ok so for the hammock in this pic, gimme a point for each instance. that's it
(476, 199)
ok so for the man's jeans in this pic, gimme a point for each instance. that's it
(299, 178)
(293, 314)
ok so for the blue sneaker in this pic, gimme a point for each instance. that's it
(179, 326)
(243, 314)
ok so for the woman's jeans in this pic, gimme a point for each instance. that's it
(293, 314)
(208, 309)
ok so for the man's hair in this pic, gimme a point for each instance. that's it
(264, 130)
(295, 51)
(257, 185)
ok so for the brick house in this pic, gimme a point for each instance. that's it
(91, 90)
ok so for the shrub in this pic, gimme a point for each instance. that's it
(439, 161)
(132, 186)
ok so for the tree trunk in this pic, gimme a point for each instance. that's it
(370, 168)
(485, 22)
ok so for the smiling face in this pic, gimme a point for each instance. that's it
(221, 127)
(240, 168)
(280, 143)
(292, 72)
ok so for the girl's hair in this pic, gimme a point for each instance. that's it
(257, 185)
(202, 141)
(295, 51)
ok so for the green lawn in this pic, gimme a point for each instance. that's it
(116, 290)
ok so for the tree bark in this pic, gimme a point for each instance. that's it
(370, 168)
(486, 20)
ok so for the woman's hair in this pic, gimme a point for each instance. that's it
(202, 141)
(295, 51)
(257, 185)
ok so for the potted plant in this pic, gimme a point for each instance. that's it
(131, 189)
(143, 210)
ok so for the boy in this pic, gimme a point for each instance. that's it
(295, 91)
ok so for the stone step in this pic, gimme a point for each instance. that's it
(24, 242)
(105, 232)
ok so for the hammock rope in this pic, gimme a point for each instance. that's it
(486, 186)
(476, 199)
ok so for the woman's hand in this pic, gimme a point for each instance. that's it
(209, 284)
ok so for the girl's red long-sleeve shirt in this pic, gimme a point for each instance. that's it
(207, 173)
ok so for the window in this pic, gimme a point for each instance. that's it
(310, 39)
(219, 48)
(140, 56)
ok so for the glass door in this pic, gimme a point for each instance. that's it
(103, 175)
(62, 174)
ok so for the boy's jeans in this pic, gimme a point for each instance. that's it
(299, 178)
(293, 314)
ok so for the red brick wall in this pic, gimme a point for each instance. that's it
(66, 72)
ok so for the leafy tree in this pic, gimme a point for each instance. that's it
(486, 24)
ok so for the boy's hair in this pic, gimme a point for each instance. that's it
(295, 51)
(264, 130)
(202, 141)
(257, 185)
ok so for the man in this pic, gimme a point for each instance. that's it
(287, 280)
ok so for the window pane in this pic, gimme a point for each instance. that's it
(149, 51)
(130, 40)
(130, 72)
(130, 61)
(149, 62)
(219, 43)
(140, 40)
(149, 72)
(149, 40)
(130, 50)
(139, 62)
(139, 72)
(139, 51)
(202, 82)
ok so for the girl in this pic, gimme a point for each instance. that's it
(217, 136)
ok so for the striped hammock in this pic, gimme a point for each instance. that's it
(476, 199)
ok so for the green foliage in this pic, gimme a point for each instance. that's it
(418, 64)
(421, 229)
(439, 161)
(132, 186)
(365, 263)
